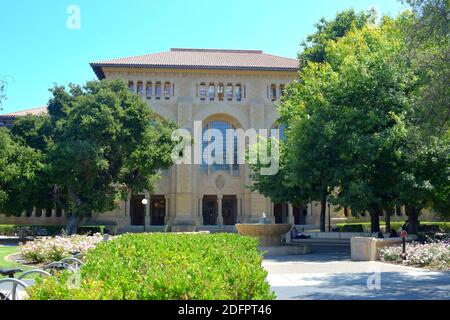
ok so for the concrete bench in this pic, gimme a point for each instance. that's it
(368, 249)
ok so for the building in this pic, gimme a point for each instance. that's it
(7, 120)
(223, 89)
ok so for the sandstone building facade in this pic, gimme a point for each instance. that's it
(223, 89)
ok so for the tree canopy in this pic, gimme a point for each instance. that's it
(360, 133)
(99, 143)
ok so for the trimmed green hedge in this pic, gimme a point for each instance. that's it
(12, 229)
(365, 226)
(166, 267)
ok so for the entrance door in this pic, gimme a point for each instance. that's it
(280, 212)
(229, 210)
(210, 211)
(300, 213)
(158, 210)
(137, 210)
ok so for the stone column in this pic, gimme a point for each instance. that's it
(166, 218)
(147, 209)
(272, 212)
(239, 209)
(219, 211)
(200, 212)
(128, 210)
(291, 218)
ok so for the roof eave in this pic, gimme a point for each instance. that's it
(98, 68)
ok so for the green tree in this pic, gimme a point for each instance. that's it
(313, 48)
(311, 185)
(346, 119)
(427, 36)
(20, 167)
(277, 187)
(101, 143)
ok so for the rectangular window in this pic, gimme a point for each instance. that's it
(202, 91)
(149, 89)
(167, 89)
(131, 86)
(273, 92)
(212, 92)
(229, 92)
(158, 90)
(238, 92)
(140, 88)
(282, 87)
(220, 92)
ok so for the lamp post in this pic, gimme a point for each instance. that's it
(145, 202)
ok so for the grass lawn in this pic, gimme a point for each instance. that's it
(6, 251)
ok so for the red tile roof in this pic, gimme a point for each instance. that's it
(202, 59)
(35, 111)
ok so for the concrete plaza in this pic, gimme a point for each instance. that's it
(329, 274)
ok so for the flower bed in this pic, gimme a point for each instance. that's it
(434, 255)
(49, 249)
(166, 267)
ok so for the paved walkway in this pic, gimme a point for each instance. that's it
(328, 274)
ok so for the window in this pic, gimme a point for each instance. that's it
(273, 92)
(158, 90)
(282, 87)
(149, 89)
(167, 89)
(229, 92)
(211, 92)
(222, 126)
(131, 86)
(202, 91)
(238, 92)
(220, 92)
(140, 88)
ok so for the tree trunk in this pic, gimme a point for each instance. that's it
(413, 219)
(73, 223)
(387, 220)
(323, 214)
(374, 220)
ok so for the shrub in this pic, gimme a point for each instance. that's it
(350, 228)
(48, 249)
(166, 267)
(36, 230)
(435, 255)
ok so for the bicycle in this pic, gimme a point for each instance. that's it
(17, 282)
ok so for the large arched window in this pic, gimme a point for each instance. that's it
(221, 126)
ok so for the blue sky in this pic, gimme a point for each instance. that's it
(37, 49)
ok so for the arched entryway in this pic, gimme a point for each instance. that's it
(300, 213)
(137, 210)
(157, 210)
(281, 212)
(229, 210)
(210, 210)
